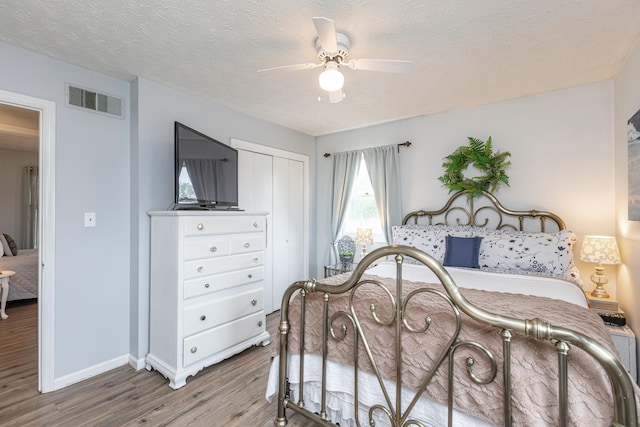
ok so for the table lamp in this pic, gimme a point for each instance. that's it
(364, 237)
(600, 250)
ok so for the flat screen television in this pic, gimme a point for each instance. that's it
(206, 171)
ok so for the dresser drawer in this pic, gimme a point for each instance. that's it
(205, 316)
(210, 225)
(207, 267)
(207, 343)
(205, 247)
(206, 285)
(250, 243)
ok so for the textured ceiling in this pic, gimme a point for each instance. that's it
(465, 52)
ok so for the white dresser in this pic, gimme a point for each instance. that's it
(207, 292)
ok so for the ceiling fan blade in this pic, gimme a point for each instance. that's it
(384, 65)
(336, 96)
(326, 30)
(295, 67)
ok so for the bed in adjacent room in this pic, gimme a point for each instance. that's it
(500, 334)
(24, 262)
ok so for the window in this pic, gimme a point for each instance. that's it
(186, 192)
(362, 211)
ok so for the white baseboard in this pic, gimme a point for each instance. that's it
(137, 363)
(90, 372)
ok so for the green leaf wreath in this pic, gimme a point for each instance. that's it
(479, 154)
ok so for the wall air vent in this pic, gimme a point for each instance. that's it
(90, 100)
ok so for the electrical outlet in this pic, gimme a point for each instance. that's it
(89, 219)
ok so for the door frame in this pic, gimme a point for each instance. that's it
(46, 231)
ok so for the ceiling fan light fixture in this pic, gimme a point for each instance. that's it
(331, 79)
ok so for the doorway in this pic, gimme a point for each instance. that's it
(45, 230)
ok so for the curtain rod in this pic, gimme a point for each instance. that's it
(402, 144)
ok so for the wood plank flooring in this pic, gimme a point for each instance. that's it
(230, 393)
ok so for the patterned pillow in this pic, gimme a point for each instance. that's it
(505, 251)
(545, 254)
(12, 244)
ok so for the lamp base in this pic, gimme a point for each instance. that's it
(599, 292)
(600, 280)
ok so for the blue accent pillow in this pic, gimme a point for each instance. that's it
(462, 252)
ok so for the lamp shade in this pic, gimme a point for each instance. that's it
(331, 79)
(364, 236)
(600, 250)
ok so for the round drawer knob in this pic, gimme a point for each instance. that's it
(260, 323)
(200, 226)
(250, 276)
(200, 269)
(203, 317)
(255, 260)
(206, 285)
(213, 249)
(194, 349)
(253, 302)
(247, 245)
(255, 224)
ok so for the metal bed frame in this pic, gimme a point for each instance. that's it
(624, 403)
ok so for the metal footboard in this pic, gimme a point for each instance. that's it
(624, 402)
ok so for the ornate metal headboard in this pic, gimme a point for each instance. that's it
(485, 211)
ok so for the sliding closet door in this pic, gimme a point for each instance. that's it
(255, 194)
(288, 225)
(276, 181)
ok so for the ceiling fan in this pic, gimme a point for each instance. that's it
(333, 55)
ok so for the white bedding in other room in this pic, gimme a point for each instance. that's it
(340, 377)
(24, 284)
(541, 286)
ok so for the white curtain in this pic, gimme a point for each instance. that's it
(383, 165)
(204, 177)
(345, 170)
(30, 197)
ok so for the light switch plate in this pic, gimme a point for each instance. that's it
(89, 219)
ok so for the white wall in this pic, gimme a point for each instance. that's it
(92, 164)
(156, 109)
(562, 157)
(627, 102)
(12, 163)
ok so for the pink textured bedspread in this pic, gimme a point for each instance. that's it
(534, 364)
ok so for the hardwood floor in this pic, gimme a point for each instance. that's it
(230, 393)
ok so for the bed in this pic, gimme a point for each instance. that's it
(24, 284)
(406, 341)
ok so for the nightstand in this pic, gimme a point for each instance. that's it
(335, 269)
(622, 336)
(625, 342)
